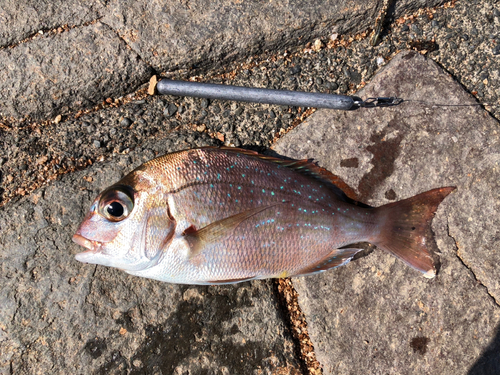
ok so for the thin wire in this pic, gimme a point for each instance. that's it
(448, 105)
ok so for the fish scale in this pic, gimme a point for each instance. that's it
(209, 215)
(262, 183)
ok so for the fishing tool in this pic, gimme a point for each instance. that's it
(268, 96)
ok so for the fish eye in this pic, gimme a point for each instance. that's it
(116, 204)
(115, 209)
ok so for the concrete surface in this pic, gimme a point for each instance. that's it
(88, 63)
(376, 315)
(71, 70)
(24, 18)
(58, 62)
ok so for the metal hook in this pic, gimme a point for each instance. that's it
(380, 102)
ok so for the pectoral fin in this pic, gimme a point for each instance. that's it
(218, 230)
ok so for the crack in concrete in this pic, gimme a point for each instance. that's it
(296, 322)
(464, 263)
(89, 291)
(47, 33)
(18, 307)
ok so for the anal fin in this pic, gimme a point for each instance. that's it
(336, 258)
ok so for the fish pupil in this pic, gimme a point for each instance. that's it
(115, 209)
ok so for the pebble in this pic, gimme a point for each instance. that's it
(125, 122)
(170, 110)
(96, 144)
(416, 29)
(296, 69)
(331, 85)
(204, 103)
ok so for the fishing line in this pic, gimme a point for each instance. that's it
(447, 105)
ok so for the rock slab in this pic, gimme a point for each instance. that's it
(23, 18)
(72, 70)
(376, 315)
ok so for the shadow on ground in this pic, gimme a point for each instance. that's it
(489, 362)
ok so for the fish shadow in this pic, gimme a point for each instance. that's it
(489, 362)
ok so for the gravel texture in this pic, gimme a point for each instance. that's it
(211, 33)
(96, 130)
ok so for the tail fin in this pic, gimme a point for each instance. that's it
(407, 227)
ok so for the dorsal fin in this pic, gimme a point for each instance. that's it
(306, 167)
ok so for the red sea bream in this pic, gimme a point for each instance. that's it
(214, 216)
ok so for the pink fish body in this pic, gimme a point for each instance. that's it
(209, 215)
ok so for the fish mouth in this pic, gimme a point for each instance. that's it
(91, 246)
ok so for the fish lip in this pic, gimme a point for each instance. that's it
(91, 246)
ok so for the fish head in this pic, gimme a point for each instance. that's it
(126, 227)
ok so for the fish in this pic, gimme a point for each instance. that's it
(213, 216)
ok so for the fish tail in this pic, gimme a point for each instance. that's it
(406, 231)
